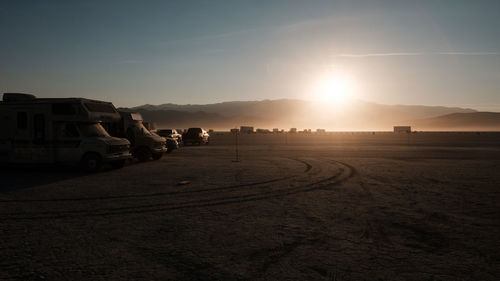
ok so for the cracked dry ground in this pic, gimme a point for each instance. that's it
(282, 213)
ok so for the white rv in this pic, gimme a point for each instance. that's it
(59, 130)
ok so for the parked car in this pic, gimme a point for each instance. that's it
(196, 136)
(171, 144)
(170, 133)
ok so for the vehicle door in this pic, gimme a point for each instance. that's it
(41, 149)
(21, 136)
(67, 140)
(7, 126)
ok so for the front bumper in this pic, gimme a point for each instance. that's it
(173, 146)
(116, 156)
(161, 149)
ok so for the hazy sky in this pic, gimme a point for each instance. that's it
(137, 52)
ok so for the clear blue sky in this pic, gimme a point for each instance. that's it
(137, 52)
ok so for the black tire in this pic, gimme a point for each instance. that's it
(118, 164)
(91, 162)
(157, 156)
(143, 154)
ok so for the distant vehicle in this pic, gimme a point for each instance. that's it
(402, 129)
(262, 131)
(196, 136)
(59, 130)
(170, 133)
(144, 144)
(246, 129)
(172, 144)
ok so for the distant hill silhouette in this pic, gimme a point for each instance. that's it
(287, 113)
(475, 121)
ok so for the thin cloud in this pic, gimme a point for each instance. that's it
(409, 54)
(236, 33)
(378, 55)
(204, 38)
(468, 53)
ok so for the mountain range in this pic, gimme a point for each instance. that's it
(288, 113)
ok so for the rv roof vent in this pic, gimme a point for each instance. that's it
(17, 97)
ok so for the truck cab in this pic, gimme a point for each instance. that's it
(59, 130)
(144, 144)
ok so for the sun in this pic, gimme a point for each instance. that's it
(334, 88)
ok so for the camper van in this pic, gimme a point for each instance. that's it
(59, 130)
(144, 144)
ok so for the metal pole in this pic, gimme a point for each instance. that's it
(236, 147)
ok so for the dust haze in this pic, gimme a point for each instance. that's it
(357, 115)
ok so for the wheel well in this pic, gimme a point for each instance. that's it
(89, 153)
(139, 148)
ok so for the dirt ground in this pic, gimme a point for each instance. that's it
(336, 207)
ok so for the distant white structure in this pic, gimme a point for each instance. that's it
(320, 131)
(246, 129)
(402, 129)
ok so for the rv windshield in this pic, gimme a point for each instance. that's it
(92, 130)
(140, 130)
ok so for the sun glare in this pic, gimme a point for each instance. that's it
(334, 88)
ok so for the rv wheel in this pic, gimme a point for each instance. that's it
(91, 162)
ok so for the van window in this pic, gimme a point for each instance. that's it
(92, 130)
(22, 120)
(67, 130)
(63, 109)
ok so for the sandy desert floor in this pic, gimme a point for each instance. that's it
(345, 207)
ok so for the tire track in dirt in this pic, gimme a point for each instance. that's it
(307, 169)
(345, 173)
